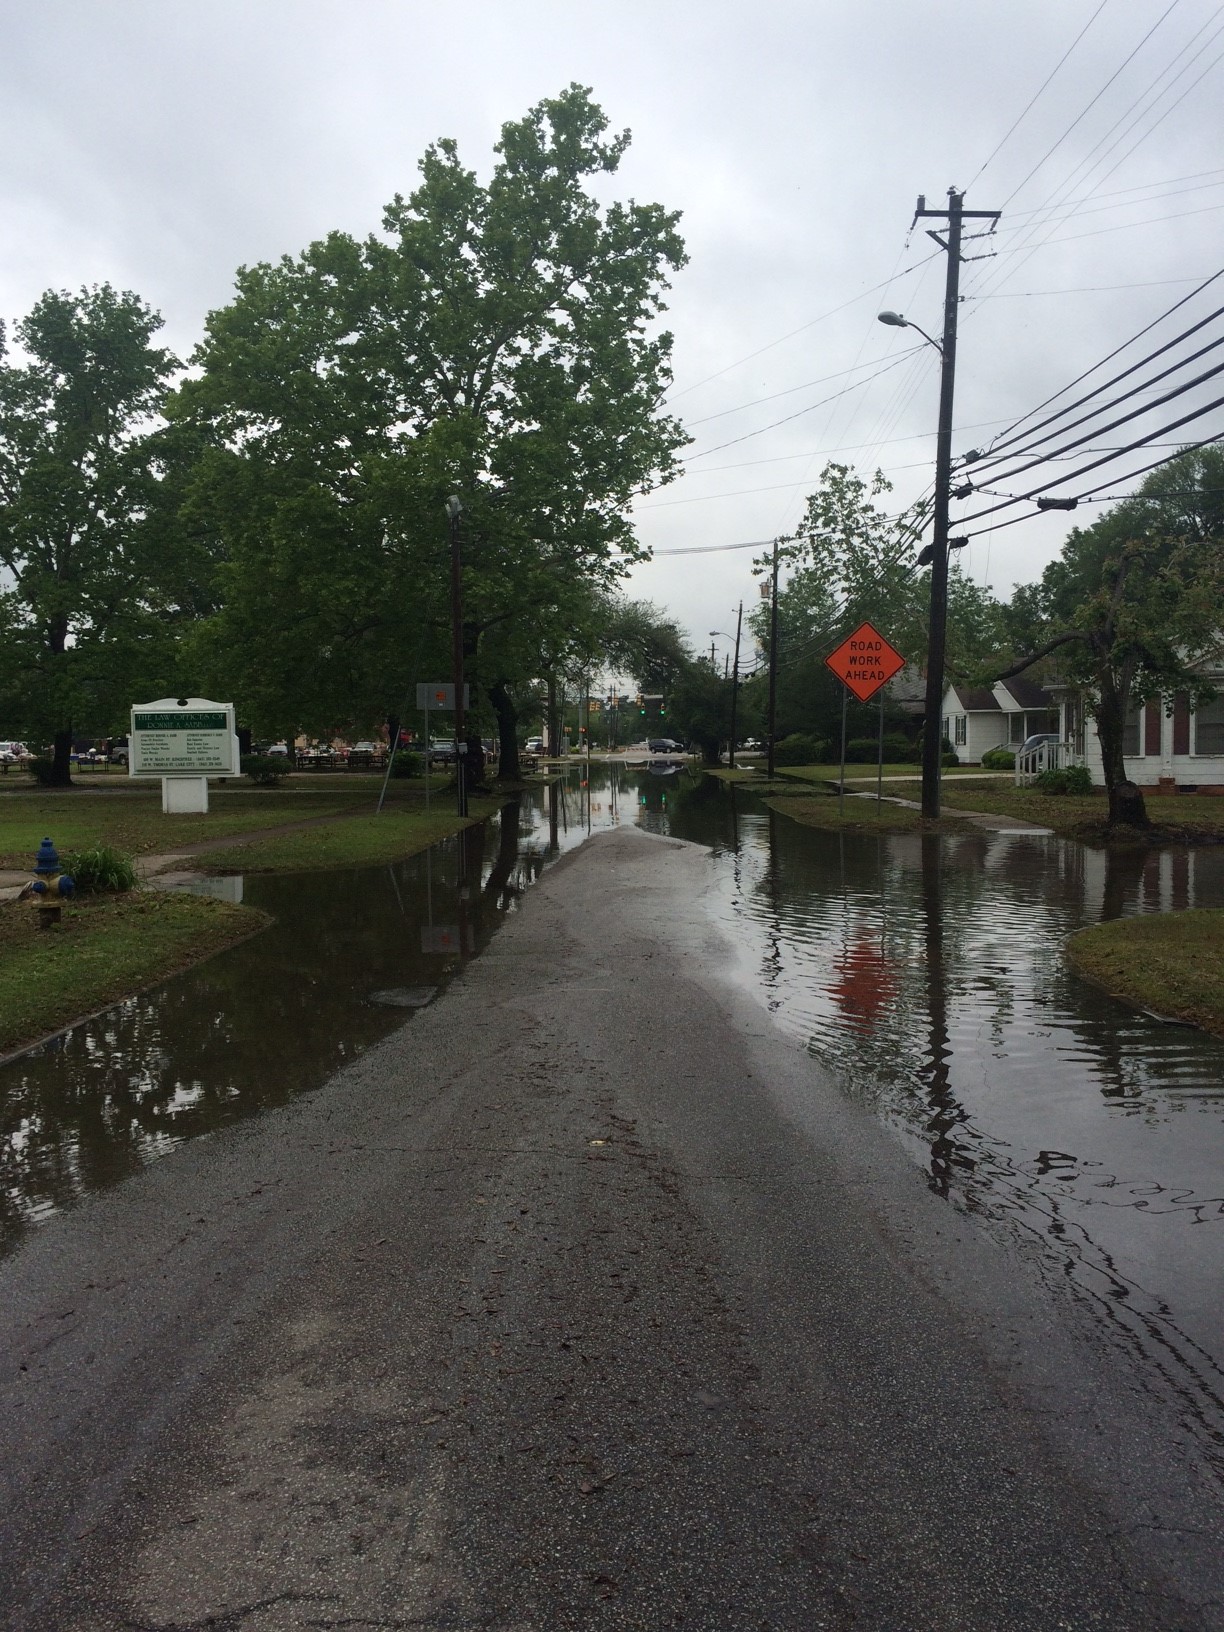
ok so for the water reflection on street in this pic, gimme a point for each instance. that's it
(927, 974)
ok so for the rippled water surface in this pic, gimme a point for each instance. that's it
(927, 975)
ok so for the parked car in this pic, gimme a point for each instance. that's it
(442, 751)
(534, 745)
(119, 754)
(665, 745)
(1029, 743)
(12, 753)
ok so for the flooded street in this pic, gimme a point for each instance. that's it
(926, 974)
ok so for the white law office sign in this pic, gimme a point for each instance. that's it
(184, 741)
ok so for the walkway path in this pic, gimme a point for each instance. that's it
(584, 1301)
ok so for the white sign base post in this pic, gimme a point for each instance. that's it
(184, 795)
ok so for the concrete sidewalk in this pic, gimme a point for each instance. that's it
(586, 1300)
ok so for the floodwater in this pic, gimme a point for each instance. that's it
(927, 974)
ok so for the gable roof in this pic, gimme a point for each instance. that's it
(1028, 693)
(976, 699)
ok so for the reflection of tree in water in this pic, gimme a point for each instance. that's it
(249, 1029)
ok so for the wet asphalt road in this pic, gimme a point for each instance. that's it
(582, 1301)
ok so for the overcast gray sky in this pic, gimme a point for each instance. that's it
(159, 144)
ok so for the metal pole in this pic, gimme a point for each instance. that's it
(427, 748)
(880, 755)
(841, 786)
(932, 739)
(773, 664)
(387, 778)
(454, 510)
(735, 684)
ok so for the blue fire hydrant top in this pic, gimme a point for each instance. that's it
(47, 860)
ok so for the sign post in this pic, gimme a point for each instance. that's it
(183, 741)
(864, 663)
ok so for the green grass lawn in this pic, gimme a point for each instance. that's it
(1172, 962)
(868, 773)
(130, 817)
(105, 948)
(859, 815)
(1191, 817)
(357, 841)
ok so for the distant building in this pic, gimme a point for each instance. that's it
(1166, 744)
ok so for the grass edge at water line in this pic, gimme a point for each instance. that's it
(1171, 963)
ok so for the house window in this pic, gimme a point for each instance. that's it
(962, 730)
(1015, 728)
(1131, 744)
(1209, 727)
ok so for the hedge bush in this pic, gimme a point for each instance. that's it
(1075, 780)
(42, 769)
(998, 759)
(800, 749)
(265, 770)
(407, 764)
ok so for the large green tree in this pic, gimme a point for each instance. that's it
(1135, 605)
(496, 340)
(93, 574)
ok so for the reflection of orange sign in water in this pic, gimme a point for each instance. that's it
(866, 982)
(865, 661)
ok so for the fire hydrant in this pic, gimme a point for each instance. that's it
(50, 887)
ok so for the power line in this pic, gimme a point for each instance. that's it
(789, 392)
(1005, 436)
(1083, 289)
(811, 408)
(791, 333)
(1037, 93)
(1085, 111)
(1128, 396)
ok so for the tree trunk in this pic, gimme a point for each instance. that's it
(499, 878)
(61, 759)
(1126, 806)
(553, 731)
(509, 769)
(475, 763)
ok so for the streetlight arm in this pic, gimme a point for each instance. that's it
(894, 320)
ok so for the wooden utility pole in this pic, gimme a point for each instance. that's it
(735, 685)
(932, 733)
(773, 665)
(454, 510)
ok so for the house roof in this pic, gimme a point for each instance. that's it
(1028, 693)
(976, 699)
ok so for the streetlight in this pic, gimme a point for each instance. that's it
(453, 512)
(894, 320)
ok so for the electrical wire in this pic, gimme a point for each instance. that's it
(1005, 436)
(811, 408)
(789, 392)
(1050, 152)
(1038, 92)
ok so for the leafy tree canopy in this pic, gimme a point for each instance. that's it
(496, 341)
(94, 579)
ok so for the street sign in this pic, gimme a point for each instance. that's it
(440, 696)
(864, 662)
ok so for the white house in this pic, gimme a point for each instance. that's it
(1171, 747)
(978, 718)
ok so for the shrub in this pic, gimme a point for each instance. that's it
(861, 751)
(899, 750)
(406, 764)
(947, 760)
(1072, 779)
(998, 759)
(42, 769)
(799, 749)
(265, 770)
(100, 869)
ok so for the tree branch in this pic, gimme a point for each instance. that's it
(1042, 651)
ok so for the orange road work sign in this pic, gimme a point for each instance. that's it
(865, 661)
